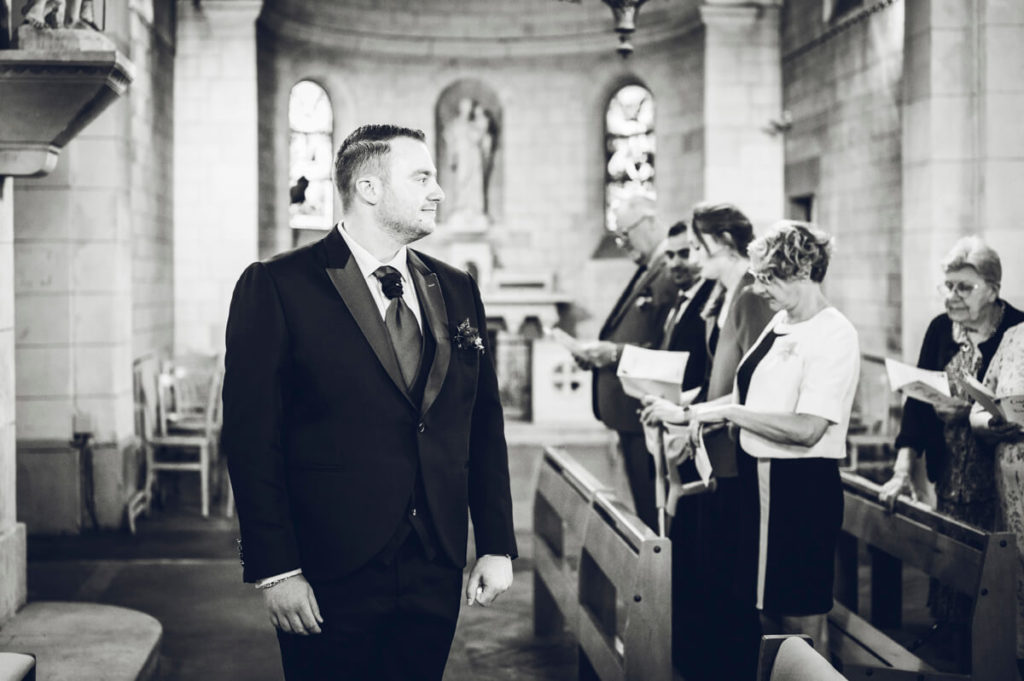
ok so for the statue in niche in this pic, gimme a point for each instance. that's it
(469, 152)
(60, 14)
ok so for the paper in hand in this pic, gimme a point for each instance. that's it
(565, 340)
(701, 458)
(651, 372)
(982, 395)
(921, 384)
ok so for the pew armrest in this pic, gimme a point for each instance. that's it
(17, 667)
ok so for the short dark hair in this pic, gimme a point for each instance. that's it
(677, 229)
(368, 145)
(726, 223)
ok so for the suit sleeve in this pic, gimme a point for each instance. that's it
(257, 343)
(490, 495)
(919, 419)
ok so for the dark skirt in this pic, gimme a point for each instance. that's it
(804, 500)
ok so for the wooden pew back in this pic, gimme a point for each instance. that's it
(561, 504)
(977, 563)
(625, 595)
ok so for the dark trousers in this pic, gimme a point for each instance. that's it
(392, 619)
(716, 629)
(640, 472)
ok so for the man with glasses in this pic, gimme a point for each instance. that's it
(637, 318)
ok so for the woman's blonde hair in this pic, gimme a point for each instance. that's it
(793, 250)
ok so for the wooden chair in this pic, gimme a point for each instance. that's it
(182, 413)
(793, 658)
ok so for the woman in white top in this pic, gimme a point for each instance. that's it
(791, 406)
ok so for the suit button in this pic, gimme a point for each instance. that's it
(421, 427)
(413, 513)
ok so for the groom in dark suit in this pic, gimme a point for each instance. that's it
(361, 419)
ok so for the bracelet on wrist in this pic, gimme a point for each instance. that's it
(274, 582)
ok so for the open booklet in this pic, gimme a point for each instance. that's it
(1010, 408)
(652, 372)
(921, 384)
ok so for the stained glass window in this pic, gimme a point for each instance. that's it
(629, 147)
(311, 151)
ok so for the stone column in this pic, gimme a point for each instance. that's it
(12, 533)
(963, 145)
(216, 160)
(743, 163)
(73, 293)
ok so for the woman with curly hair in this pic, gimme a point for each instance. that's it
(791, 404)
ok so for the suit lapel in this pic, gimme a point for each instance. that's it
(348, 281)
(640, 281)
(428, 288)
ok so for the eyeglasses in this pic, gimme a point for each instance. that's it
(622, 235)
(765, 278)
(960, 288)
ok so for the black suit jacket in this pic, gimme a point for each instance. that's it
(322, 440)
(636, 318)
(688, 335)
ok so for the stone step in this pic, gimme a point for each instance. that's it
(85, 641)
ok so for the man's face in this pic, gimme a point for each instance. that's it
(684, 271)
(634, 233)
(408, 208)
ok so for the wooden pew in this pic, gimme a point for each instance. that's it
(979, 564)
(790, 657)
(17, 667)
(625, 596)
(561, 508)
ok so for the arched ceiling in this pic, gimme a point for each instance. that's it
(470, 28)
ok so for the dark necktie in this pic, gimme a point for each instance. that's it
(401, 324)
(672, 319)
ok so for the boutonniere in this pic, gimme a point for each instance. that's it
(467, 337)
(644, 299)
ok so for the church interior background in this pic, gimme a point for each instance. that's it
(893, 124)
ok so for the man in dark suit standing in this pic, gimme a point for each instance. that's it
(361, 419)
(637, 319)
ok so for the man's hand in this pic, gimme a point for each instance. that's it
(490, 577)
(292, 606)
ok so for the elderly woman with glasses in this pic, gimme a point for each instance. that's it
(790, 405)
(961, 342)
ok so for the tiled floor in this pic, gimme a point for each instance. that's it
(183, 570)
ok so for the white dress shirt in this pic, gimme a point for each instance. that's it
(368, 264)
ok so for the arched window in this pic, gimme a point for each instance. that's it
(311, 150)
(629, 147)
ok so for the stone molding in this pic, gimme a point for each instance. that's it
(364, 38)
(48, 97)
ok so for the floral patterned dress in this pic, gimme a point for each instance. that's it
(1005, 377)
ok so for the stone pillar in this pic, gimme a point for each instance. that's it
(216, 161)
(12, 533)
(743, 163)
(73, 296)
(963, 145)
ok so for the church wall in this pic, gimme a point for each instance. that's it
(215, 177)
(552, 211)
(842, 88)
(151, 101)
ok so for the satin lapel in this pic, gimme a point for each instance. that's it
(432, 303)
(348, 281)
